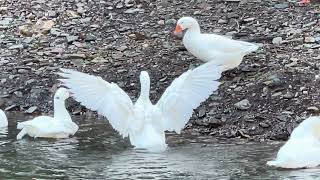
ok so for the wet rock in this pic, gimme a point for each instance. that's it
(90, 37)
(243, 104)
(201, 112)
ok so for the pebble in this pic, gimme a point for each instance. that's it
(243, 104)
(17, 46)
(277, 40)
(31, 109)
(201, 112)
(90, 37)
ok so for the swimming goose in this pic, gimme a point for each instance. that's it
(226, 52)
(142, 121)
(303, 147)
(58, 126)
(3, 119)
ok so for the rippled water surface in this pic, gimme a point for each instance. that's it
(97, 152)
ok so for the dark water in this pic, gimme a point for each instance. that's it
(97, 152)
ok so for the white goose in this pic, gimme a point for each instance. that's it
(3, 119)
(226, 52)
(58, 126)
(142, 121)
(302, 150)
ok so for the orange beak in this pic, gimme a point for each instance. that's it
(178, 29)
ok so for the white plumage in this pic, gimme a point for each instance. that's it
(3, 119)
(144, 122)
(302, 150)
(58, 126)
(225, 52)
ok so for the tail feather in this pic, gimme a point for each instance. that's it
(22, 133)
(272, 163)
(249, 47)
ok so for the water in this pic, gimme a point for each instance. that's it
(97, 152)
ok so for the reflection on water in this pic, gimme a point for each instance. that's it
(97, 152)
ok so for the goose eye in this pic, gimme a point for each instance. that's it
(57, 97)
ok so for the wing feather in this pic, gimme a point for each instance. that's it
(98, 95)
(186, 93)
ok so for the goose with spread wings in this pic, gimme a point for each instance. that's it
(143, 121)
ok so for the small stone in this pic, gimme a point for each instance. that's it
(264, 125)
(90, 37)
(277, 40)
(243, 105)
(121, 48)
(273, 80)
(99, 60)
(22, 71)
(161, 22)
(31, 110)
(52, 14)
(249, 19)
(281, 6)
(288, 95)
(222, 21)
(75, 56)
(17, 46)
(70, 39)
(171, 22)
(6, 22)
(201, 112)
(309, 40)
(313, 108)
(18, 94)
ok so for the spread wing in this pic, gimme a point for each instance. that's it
(98, 95)
(186, 93)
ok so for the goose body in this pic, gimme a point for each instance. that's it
(58, 126)
(143, 121)
(303, 147)
(3, 119)
(224, 51)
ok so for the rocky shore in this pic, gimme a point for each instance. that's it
(271, 92)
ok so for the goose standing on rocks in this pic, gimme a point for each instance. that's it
(302, 150)
(3, 119)
(58, 126)
(226, 52)
(142, 121)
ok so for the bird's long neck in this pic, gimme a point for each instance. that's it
(145, 92)
(60, 111)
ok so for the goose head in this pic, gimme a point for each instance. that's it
(61, 95)
(186, 23)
